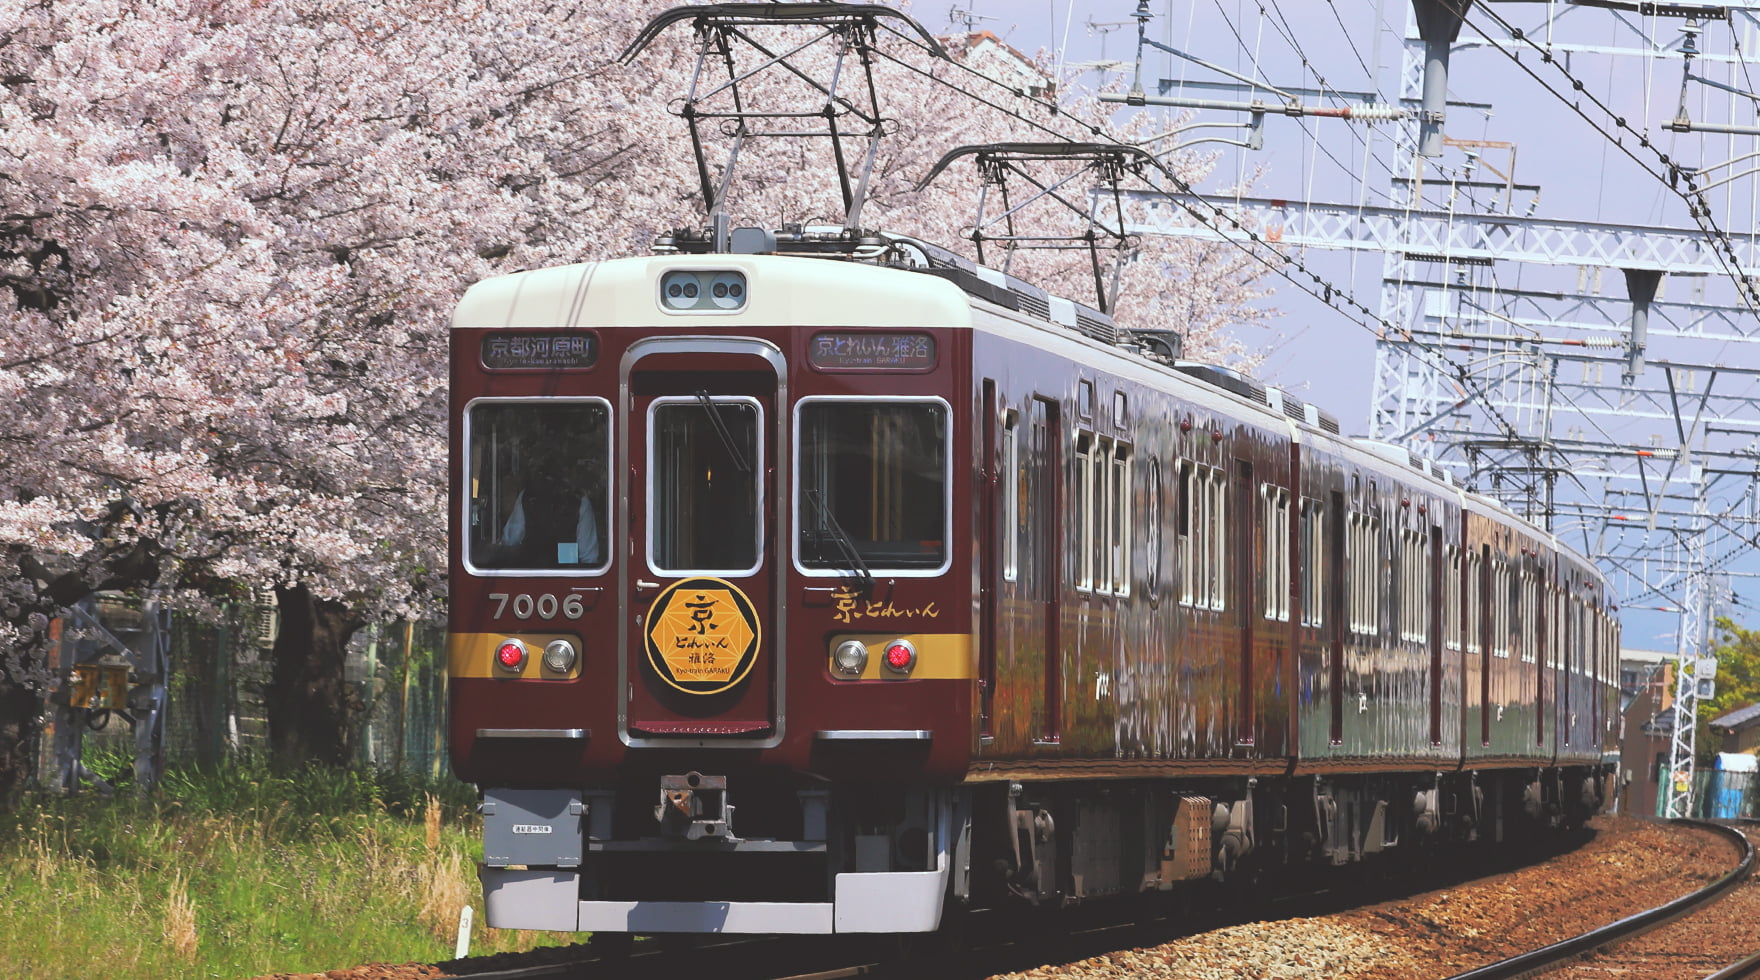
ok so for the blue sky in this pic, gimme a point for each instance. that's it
(1356, 46)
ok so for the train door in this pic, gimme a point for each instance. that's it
(1042, 484)
(1433, 585)
(993, 486)
(1539, 594)
(998, 541)
(1567, 656)
(1244, 552)
(1335, 579)
(1595, 672)
(1480, 609)
(704, 520)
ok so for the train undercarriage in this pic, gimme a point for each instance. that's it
(757, 853)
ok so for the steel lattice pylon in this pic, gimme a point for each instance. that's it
(1624, 418)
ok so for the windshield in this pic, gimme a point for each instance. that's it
(704, 505)
(878, 470)
(536, 472)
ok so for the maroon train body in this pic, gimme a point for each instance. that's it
(837, 594)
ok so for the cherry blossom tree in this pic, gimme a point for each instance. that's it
(232, 235)
(230, 238)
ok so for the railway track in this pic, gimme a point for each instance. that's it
(991, 944)
(1547, 960)
(1323, 933)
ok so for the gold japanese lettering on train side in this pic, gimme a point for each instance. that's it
(850, 606)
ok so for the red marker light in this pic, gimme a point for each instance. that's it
(900, 657)
(511, 655)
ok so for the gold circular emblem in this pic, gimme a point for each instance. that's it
(703, 635)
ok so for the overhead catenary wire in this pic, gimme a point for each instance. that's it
(1214, 219)
(1698, 207)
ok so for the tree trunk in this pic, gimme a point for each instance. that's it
(310, 707)
(19, 712)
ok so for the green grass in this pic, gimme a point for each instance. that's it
(241, 873)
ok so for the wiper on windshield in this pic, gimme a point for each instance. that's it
(845, 544)
(722, 430)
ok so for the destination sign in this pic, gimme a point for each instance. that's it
(539, 351)
(871, 351)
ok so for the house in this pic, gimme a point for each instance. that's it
(993, 57)
(1740, 729)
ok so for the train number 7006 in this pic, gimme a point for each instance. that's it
(544, 605)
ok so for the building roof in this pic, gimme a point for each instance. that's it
(1738, 720)
(1631, 655)
(982, 49)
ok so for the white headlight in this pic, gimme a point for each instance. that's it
(559, 656)
(850, 658)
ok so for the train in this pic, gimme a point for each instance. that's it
(818, 581)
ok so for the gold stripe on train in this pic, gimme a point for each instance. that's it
(940, 656)
(473, 655)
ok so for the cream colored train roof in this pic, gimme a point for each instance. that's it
(782, 290)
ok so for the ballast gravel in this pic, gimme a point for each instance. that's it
(1628, 865)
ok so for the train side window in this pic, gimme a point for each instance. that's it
(1499, 608)
(1352, 559)
(1470, 626)
(1414, 611)
(1085, 399)
(1398, 584)
(1205, 559)
(1421, 587)
(1215, 537)
(1408, 580)
(1104, 504)
(1369, 573)
(1121, 520)
(1546, 621)
(537, 483)
(1313, 563)
(1451, 598)
(1274, 516)
(1084, 512)
(1558, 652)
(1357, 570)
(872, 475)
(1377, 580)
(1012, 488)
(1157, 533)
(1184, 512)
(1402, 584)
(1524, 606)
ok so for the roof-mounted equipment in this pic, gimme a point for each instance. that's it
(774, 87)
(1065, 179)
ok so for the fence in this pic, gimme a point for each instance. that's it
(1717, 793)
(213, 709)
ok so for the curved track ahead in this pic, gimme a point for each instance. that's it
(1539, 960)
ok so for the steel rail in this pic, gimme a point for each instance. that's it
(1748, 968)
(1536, 960)
(1744, 970)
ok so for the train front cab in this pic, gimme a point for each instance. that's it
(769, 702)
